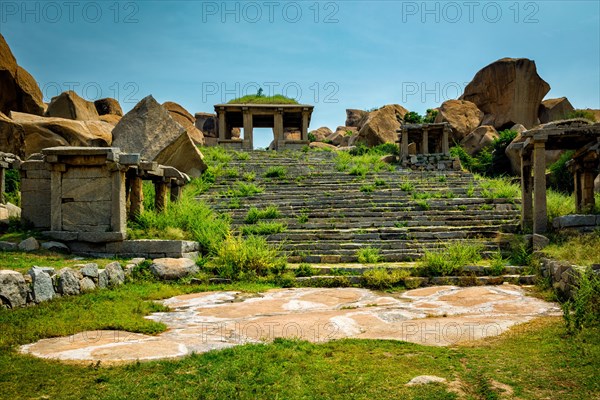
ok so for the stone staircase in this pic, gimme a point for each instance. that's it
(330, 215)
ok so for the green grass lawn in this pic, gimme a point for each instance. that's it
(536, 360)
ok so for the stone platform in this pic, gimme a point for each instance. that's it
(197, 323)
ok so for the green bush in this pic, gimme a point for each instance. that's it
(413, 117)
(381, 278)
(450, 260)
(311, 137)
(240, 257)
(367, 188)
(263, 228)
(368, 255)
(304, 270)
(560, 178)
(262, 99)
(497, 264)
(581, 114)
(254, 214)
(430, 116)
(583, 310)
(276, 171)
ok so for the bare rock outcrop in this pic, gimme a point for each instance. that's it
(70, 105)
(381, 125)
(509, 91)
(463, 116)
(321, 133)
(554, 109)
(12, 136)
(20, 91)
(148, 129)
(480, 138)
(108, 106)
(356, 118)
(40, 132)
(186, 120)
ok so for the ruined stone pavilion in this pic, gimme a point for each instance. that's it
(279, 117)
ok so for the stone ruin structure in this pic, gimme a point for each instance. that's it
(579, 135)
(82, 196)
(280, 117)
(426, 147)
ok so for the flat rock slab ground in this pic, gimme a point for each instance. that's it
(437, 316)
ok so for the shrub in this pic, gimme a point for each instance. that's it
(276, 171)
(381, 278)
(559, 204)
(193, 219)
(423, 204)
(560, 178)
(451, 259)
(304, 270)
(407, 187)
(499, 188)
(367, 188)
(311, 137)
(242, 189)
(581, 114)
(239, 257)
(254, 214)
(430, 116)
(368, 255)
(497, 264)
(263, 228)
(583, 310)
(413, 117)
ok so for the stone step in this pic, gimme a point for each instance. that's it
(415, 282)
(413, 267)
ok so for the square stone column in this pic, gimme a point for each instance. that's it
(526, 193)
(278, 128)
(425, 141)
(445, 140)
(248, 130)
(404, 144)
(222, 125)
(304, 128)
(588, 175)
(540, 218)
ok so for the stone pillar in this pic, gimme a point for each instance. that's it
(222, 125)
(2, 185)
(248, 130)
(160, 195)
(540, 219)
(56, 197)
(526, 193)
(278, 128)
(118, 218)
(588, 176)
(425, 142)
(175, 191)
(404, 145)
(576, 171)
(304, 128)
(445, 140)
(136, 197)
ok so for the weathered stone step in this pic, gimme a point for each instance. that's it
(414, 267)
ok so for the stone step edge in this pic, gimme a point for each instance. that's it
(416, 282)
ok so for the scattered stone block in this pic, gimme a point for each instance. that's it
(90, 270)
(425, 380)
(7, 246)
(29, 244)
(13, 289)
(115, 274)
(68, 282)
(42, 288)
(86, 285)
(173, 268)
(56, 247)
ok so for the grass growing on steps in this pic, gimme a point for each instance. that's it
(263, 228)
(255, 214)
(368, 255)
(532, 361)
(449, 260)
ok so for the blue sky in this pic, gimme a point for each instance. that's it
(333, 54)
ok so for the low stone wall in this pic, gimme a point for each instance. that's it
(580, 222)
(431, 162)
(563, 275)
(42, 284)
